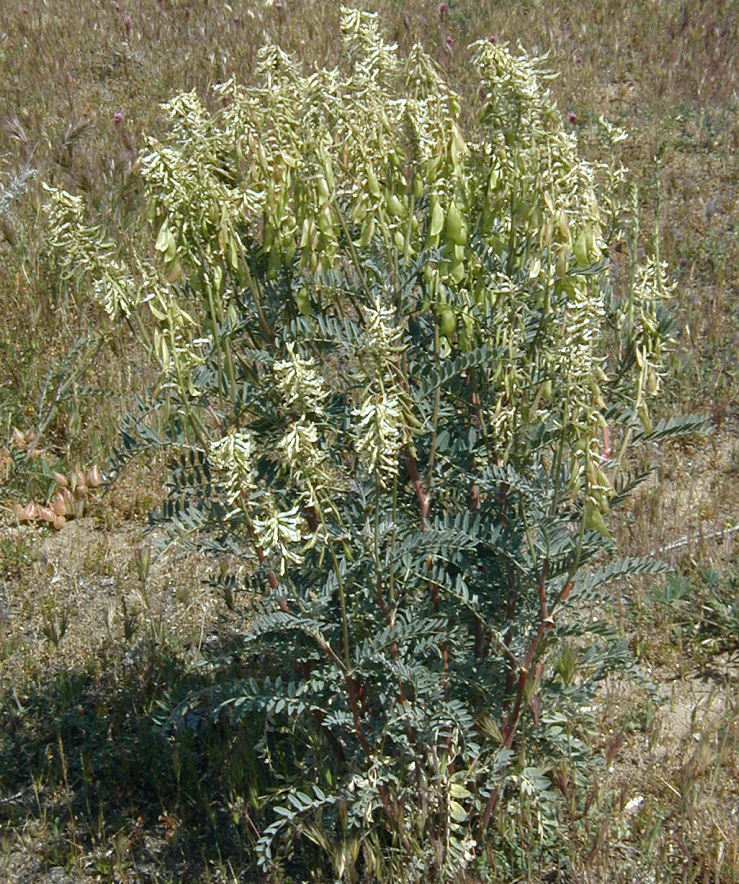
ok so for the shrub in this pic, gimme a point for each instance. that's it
(395, 375)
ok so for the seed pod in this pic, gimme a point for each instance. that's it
(395, 206)
(545, 236)
(18, 440)
(45, 513)
(456, 229)
(302, 301)
(58, 505)
(373, 185)
(562, 263)
(447, 322)
(563, 226)
(60, 479)
(93, 477)
(604, 482)
(78, 484)
(580, 250)
(368, 232)
(456, 271)
(652, 381)
(594, 252)
(58, 522)
(594, 521)
(323, 190)
(23, 513)
(437, 219)
(643, 413)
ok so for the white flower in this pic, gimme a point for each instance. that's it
(279, 532)
(380, 434)
(232, 455)
(298, 382)
(301, 457)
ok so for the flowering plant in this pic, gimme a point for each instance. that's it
(397, 369)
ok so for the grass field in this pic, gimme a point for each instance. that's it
(94, 638)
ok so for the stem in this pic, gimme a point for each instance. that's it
(423, 500)
(263, 324)
(435, 417)
(513, 718)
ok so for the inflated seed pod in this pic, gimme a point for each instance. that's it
(447, 322)
(93, 477)
(563, 226)
(25, 513)
(437, 219)
(45, 513)
(457, 270)
(455, 228)
(562, 263)
(373, 185)
(58, 504)
(78, 484)
(395, 206)
(652, 381)
(580, 250)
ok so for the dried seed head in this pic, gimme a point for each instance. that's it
(22, 513)
(18, 440)
(58, 522)
(61, 480)
(94, 477)
(45, 513)
(78, 483)
(59, 505)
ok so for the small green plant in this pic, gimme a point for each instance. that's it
(400, 388)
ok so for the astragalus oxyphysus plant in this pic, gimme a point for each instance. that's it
(397, 377)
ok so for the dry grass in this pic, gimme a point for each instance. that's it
(87, 648)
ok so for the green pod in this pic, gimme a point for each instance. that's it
(323, 190)
(457, 271)
(580, 250)
(594, 521)
(325, 223)
(395, 206)
(447, 322)
(563, 227)
(455, 229)
(437, 219)
(594, 253)
(290, 248)
(368, 232)
(302, 301)
(373, 185)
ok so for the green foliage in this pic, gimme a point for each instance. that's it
(393, 368)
